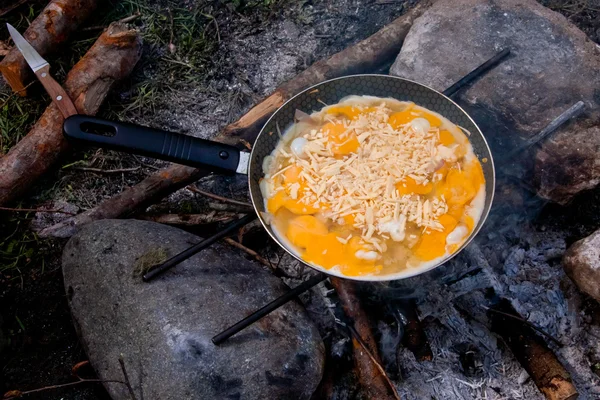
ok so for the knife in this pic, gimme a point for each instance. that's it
(41, 69)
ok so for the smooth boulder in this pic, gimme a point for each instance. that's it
(163, 329)
(582, 264)
(552, 66)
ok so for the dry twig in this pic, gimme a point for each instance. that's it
(231, 207)
(127, 382)
(36, 210)
(106, 171)
(250, 252)
(217, 197)
(11, 7)
(125, 20)
(415, 338)
(4, 48)
(542, 365)
(13, 394)
(524, 321)
(5, 102)
(373, 382)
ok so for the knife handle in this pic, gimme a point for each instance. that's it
(58, 94)
(136, 139)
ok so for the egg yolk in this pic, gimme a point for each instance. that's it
(433, 243)
(349, 112)
(409, 186)
(292, 174)
(275, 202)
(342, 142)
(326, 250)
(470, 222)
(349, 219)
(458, 189)
(304, 229)
(283, 197)
(400, 118)
(446, 138)
(434, 121)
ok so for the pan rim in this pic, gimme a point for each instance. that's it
(405, 274)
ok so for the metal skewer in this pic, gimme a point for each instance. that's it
(556, 123)
(477, 72)
(275, 304)
(184, 255)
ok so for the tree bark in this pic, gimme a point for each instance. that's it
(364, 56)
(371, 379)
(539, 361)
(46, 33)
(109, 60)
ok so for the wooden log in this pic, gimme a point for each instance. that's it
(46, 33)
(109, 60)
(372, 380)
(361, 57)
(531, 351)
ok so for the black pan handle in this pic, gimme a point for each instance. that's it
(130, 138)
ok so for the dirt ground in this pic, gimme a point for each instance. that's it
(204, 63)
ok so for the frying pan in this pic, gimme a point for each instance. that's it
(221, 158)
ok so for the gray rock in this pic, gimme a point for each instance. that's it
(569, 162)
(582, 264)
(552, 66)
(163, 328)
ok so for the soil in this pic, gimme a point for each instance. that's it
(262, 43)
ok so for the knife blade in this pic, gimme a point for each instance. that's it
(41, 69)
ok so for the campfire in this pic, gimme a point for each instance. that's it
(162, 313)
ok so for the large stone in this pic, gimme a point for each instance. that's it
(569, 163)
(552, 66)
(163, 328)
(582, 263)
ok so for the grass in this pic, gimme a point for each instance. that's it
(18, 248)
(17, 115)
(178, 44)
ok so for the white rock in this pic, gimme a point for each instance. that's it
(582, 263)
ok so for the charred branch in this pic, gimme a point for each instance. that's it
(415, 338)
(366, 359)
(542, 365)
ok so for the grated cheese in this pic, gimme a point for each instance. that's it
(364, 183)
